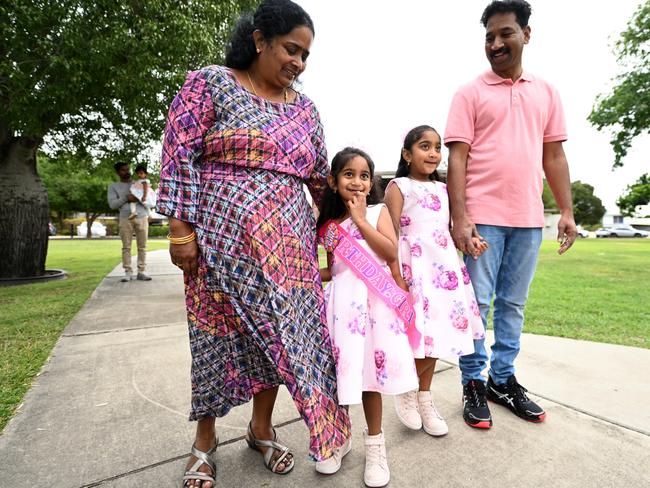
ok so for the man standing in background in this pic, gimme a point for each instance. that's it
(119, 197)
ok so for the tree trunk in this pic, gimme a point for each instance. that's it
(90, 220)
(24, 210)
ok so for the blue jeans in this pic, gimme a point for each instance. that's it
(504, 272)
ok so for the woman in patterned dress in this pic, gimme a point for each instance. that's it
(239, 145)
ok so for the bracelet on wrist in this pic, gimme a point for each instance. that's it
(182, 240)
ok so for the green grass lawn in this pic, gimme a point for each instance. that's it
(33, 316)
(598, 291)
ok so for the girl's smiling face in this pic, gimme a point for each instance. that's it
(354, 179)
(424, 156)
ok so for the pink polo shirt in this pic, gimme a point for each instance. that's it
(505, 125)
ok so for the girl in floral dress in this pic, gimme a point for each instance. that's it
(446, 311)
(369, 337)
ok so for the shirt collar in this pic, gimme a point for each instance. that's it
(491, 78)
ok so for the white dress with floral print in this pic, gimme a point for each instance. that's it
(447, 314)
(371, 349)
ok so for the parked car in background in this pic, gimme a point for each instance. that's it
(582, 232)
(96, 230)
(621, 230)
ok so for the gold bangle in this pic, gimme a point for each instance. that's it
(182, 240)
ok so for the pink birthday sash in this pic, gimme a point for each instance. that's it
(335, 239)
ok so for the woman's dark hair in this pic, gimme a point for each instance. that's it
(520, 8)
(272, 18)
(332, 205)
(413, 136)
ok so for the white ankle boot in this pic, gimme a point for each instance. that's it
(406, 408)
(332, 464)
(376, 473)
(432, 421)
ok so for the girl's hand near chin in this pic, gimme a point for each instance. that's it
(357, 207)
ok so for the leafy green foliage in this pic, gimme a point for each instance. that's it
(635, 194)
(99, 75)
(75, 184)
(626, 110)
(588, 209)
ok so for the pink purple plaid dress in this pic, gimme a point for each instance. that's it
(233, 165)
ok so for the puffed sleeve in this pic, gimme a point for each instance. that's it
(191, 115)
(318, 177)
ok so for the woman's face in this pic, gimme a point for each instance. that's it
(283, 58)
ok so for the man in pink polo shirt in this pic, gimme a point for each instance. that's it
(504, 132)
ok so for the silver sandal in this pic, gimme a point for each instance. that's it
(274, 446)
(193, 473)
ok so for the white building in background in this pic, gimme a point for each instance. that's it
(611, 219)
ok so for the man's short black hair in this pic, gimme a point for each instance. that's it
(119, 165)
(521, 9)
(140, 167)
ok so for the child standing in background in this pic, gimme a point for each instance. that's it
(446, 312)
(367, 312)
(141, 189)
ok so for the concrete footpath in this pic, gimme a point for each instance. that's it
(110, 409)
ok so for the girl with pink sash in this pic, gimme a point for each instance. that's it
(369, 313)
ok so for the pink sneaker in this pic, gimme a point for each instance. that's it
(432, 421)
(333, 464)
(376, 472)
(406, 407)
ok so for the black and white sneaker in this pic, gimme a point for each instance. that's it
(513, 395)
(476, 412)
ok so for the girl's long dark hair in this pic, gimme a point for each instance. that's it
(332, 205)
(413, 136)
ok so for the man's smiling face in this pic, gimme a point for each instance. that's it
(504, 44)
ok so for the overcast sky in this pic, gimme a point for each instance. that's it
(377, 69)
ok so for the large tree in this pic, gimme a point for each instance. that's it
(635, 195)
(588, 209)
(93, 75)
(626, 110)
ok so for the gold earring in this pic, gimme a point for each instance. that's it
(258, 50)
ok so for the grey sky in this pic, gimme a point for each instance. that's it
(378, 69)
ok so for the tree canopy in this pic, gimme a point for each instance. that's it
(99, 74)
(635, 195)
(588, 209)
(626, 110)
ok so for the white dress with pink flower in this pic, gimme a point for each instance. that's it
(369, 340)
(447, 314)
